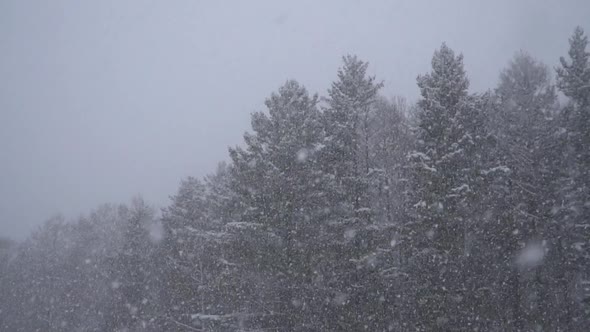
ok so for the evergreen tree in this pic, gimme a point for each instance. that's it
(192, 246)
(130, 270)
(391, 140)
(445, 176)
(573, 79)
(348, 160)
(279, 181)
(523, 124)
(347, 122)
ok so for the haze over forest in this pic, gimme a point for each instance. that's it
(294, 167)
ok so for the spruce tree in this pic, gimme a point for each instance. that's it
(445, 176)
(348, 161)
(279, 180)
(527, 104)
(573, 79)
(130, 269)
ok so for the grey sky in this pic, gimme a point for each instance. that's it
(105, 99)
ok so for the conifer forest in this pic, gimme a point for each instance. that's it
(347, 210)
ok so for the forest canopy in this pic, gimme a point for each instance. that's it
(347, 212)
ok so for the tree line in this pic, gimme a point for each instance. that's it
(348, 212)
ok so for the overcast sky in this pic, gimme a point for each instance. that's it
(101, 100)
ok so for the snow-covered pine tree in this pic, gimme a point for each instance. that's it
(348, 162)
(221, 201)
(347, 123)
(279, 181)
(131, 269)
(378, 270)
(523, 124)
(573, 79)
(192, 243)
(39, 288)
(484, 265)
(391, 140)
(445, 174)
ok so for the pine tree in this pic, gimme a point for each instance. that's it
(390, 143)
(445, 176)
(279, 181)
(348, 161)
(130, 270)
(522, 125)
(221, 201)
(573, 79)
(192, 246)
(347, 121)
